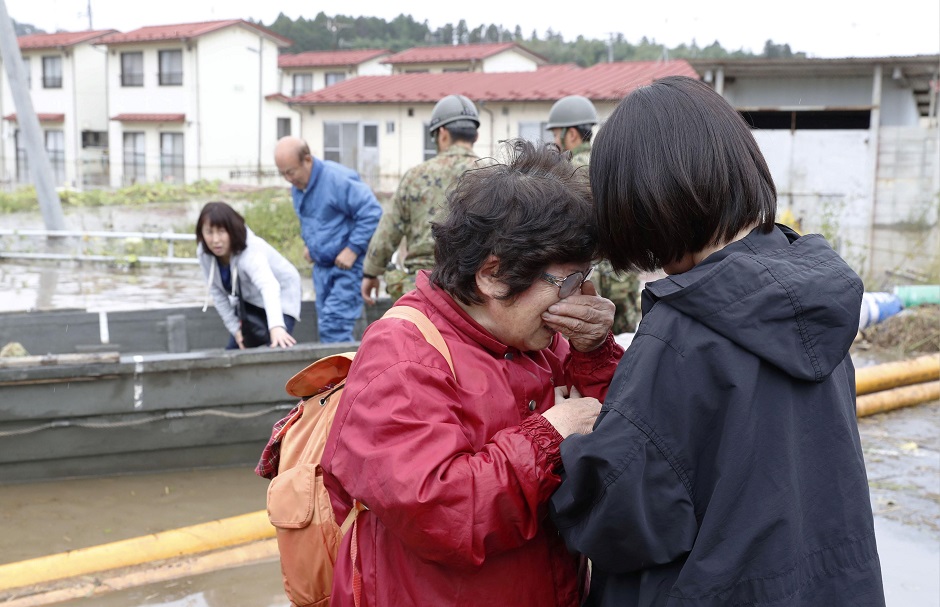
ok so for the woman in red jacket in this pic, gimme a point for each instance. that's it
(456, 472)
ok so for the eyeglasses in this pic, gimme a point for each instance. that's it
(571, 283)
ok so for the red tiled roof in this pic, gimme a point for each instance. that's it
(329, 58)
(183, 31)
(149, 117)
(450, 53)
(42, 117)
(276, 97)
(59, 39)
(604, 81)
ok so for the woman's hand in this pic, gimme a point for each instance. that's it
(239, 340)
(585, 319)
(280, 338)
(572, 413)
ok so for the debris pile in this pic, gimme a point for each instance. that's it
(914, 330)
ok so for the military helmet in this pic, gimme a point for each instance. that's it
(573, 110)
(456, 111)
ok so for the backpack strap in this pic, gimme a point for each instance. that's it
(427, 328)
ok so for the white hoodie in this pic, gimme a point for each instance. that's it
(267, 280)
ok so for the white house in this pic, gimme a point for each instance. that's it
(489, 58)
(66, 79)
(313, 70)
(195, 101)
(378, 125)
(854, 149)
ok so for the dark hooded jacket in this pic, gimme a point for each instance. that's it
(726, 468)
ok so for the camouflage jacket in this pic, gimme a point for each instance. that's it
(419, 198)
(581, 155)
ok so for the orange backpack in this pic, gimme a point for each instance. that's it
(308, 537)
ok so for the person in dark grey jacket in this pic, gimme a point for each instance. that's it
(725, 467)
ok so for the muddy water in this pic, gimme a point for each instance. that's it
(902, 453)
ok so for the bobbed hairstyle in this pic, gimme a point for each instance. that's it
(532, 211)
(673, 170)
(221, 215)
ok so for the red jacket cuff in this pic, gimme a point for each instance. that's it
(546, 439)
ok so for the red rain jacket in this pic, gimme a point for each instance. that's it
(456, 474)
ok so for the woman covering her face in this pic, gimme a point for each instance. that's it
(456, 472)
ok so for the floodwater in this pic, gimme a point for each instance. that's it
(902, 453)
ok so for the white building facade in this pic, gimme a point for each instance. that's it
(66, 80)
(194, 102)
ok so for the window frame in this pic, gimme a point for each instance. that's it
(331, 78)
(138, 158)
(51, 81)
(166, 77)
(307, 77)
(132, 79)
(173, 164)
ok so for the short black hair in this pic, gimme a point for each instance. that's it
(533, 211)
(467, 134)
(222, 215)
(586, 131)
(674, 169)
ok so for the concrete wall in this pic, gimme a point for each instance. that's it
(881, 215)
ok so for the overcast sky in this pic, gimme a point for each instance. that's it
(821, 28)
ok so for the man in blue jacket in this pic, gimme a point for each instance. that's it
(338, 214)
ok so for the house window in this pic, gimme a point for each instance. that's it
(52, 72)
(809, 120)
(370, 135)
(448, 70)
(339, 143)
(135, 167)
(283, 127)
(416, 71)
(55, 149)
(535, 131)
(303, 83)
(27, 69)
(94, 139)
(132, 69)
(171, 157)
(22, 164)
(334, 77)
(430, 147)
(171, 68)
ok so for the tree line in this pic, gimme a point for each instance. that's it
(325, 32)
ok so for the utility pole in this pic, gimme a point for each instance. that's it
(89, 16)
(40, 169)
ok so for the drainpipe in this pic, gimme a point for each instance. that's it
(483, 107)
(76, 129)
(260, 98)
(195, 50)
(874, 130)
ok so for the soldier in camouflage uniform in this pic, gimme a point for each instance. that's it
(571, 121)
(420, 197)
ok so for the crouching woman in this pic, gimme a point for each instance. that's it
(256, 290)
